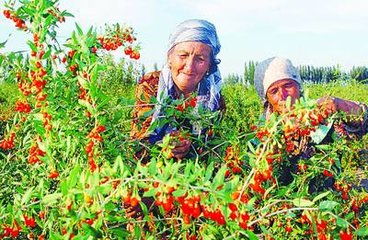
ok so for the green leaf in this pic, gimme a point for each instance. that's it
(150, 193)
(119, 232)
(26, 196)
(47, 54)
(90, 231)
(32, 46)
(362, 232)
(342, 222)
(79, 29)
(327, 205)
(300, 202)
(48, 21)
(119, 167)
(152, 168)
(109, 206)
(51, 198)
(67, 145)
(86, 104)
(83, 82)
(320, 196)
(220, 177)
(2, 44)
(209, 172)
(74, 176)
(251, 235)
(64, 187)
(320, 133)
(179, 193)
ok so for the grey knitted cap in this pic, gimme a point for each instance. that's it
(272, 70)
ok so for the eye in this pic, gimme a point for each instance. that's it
(273, 91)
(183, 55)
(287, 85)
(201, 58)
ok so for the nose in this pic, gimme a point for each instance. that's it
(283, 93)
(189, 65)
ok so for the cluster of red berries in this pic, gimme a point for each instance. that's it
(190, 207)
(130, 200)
(47, 121)
(11, 231)
(242, 218)
(345, 235)
(260, 177)
(214, 215)
(24, 88)
(188, 103)
(22, 107)
(53, 174)
(8, 143)
(343, 188)
(165, 198)
(118, 37)
(262, 133)
(298, 126)
(133, 54)
(34, 154)
(327, 173)
(110, 44)
(29, 221)
(233, 161)
(19, 23)
(94, 137)
(83, 94)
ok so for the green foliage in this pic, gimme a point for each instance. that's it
(351, 90)
(359, 73)
(9, 94)
(118, 82)
(241, 101)
(249, 69)
(69, 168)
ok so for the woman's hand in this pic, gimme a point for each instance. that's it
(328, 103)
(181, 148)
(181, 145)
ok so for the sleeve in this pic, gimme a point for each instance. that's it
(143, 107)
(359, 124)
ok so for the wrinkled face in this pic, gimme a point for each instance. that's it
(278, 92)
(189, 62)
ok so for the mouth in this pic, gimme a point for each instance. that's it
(188, 74)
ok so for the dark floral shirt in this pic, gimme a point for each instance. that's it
(145, 93)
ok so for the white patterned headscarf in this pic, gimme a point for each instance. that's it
(208, 90)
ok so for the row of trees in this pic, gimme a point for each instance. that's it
(307, 73)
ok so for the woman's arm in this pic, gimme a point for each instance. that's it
(356, 113)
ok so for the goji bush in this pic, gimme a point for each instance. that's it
(69, 169)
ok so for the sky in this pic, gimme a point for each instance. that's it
(313, 32)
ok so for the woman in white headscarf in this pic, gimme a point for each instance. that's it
(191, 69)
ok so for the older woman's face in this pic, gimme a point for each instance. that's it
(189, 62)
(278, 92)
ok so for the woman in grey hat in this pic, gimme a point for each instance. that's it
(191, 70)
(276, 80)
